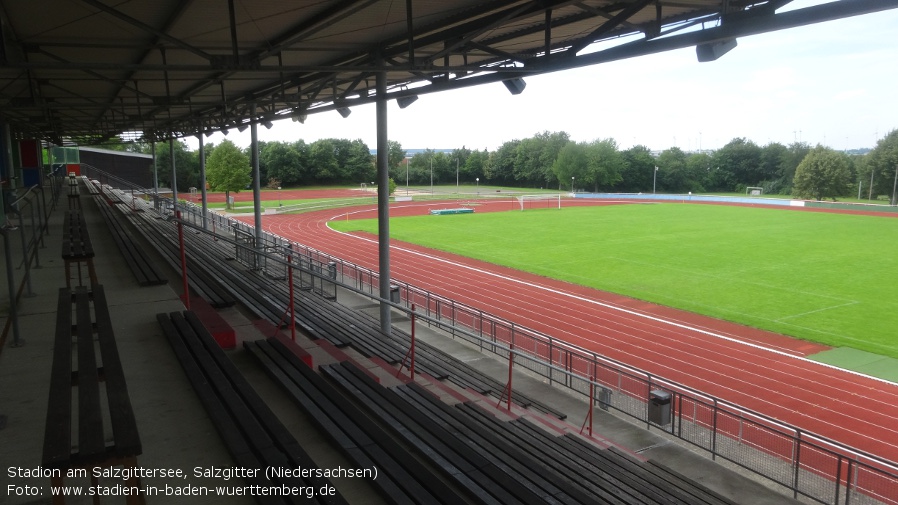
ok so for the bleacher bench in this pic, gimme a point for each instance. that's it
(74, 193)
(401, 478)
(141, 265)
(77, 247)
(252, 433)
(97, 443)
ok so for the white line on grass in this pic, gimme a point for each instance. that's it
(853, 302)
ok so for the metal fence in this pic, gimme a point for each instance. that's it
(810, 467)
(27, 213)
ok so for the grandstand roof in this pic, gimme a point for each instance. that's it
(94, 69)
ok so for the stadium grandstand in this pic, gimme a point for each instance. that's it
(157, 351)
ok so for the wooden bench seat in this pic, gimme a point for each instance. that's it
(611, 469)
(253, 434)
(90, 380)
(162, 236)
(504, 474)
(74, 193)
(402, 478)
(77, 247)
(141, 265)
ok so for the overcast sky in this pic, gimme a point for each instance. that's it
(831, 83)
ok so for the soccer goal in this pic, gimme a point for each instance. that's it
(754, 191)
(540, 201)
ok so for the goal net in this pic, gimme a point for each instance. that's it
(754, 191)
(540, 201)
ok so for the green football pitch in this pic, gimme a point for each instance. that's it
(829, 278)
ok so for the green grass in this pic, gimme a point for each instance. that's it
(828, 278)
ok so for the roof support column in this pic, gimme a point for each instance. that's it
(383, 199)
(257, 188)
(174, 175)
(203, 177)
(155, 176)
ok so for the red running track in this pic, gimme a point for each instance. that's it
(758, 370)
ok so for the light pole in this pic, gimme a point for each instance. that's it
(478, 185)
(870, 194)
(279, 197)
(406, 176)
(457, 190)
(895, 186)
(654, 178)
(431, 175)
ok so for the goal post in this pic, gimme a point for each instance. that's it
(754, 191)
(541, 201)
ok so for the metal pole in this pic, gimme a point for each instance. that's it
(870, 194)
(290, 284)
(412, 350)
(25, 259)
(174, 175)
(592, 400)
(257, 184)
(592, 396)
(510, 365)
(183, 261)
(895, 186)
(203, 179)
(383, 200)
(11, 285)
(155, 176)
(35, 236)
(45, 216)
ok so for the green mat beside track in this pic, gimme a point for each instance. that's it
(860, 361)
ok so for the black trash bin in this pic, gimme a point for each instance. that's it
(394, 294)
(659, 407)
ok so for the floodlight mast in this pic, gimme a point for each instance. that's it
(894, 187)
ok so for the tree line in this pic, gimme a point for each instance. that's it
(553, 160)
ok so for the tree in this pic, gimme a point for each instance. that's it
(323, 161)
(395, 158)
(228, 169)
(824, 173)
(283, 161)
(673, 174)
(572, 164)
(604, 164)
(883, 162)
(636, 175)
(740, 164)
(500, 169)
(774, 159)
(475, 166)
(187, 165)
(697, 169)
